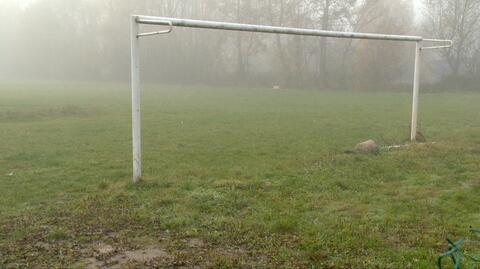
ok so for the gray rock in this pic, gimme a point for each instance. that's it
(368, 146)
(421, 138)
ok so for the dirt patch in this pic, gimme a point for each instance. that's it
(147, 256)
(43, 246)
(195, 243)
(104, 249)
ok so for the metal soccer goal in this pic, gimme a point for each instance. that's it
(136, 35)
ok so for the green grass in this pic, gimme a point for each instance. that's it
(259, 177)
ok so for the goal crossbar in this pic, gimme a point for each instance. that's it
(137, 20)
(215, 25)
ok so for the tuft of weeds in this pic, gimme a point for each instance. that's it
(57, 234)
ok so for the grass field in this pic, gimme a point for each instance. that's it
(233, 178)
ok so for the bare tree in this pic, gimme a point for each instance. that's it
(333, 12)
(378, 64)
(98, 42)
(458, 20)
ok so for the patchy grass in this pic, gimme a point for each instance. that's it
(233, 178)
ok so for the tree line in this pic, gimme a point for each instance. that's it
(89, 40)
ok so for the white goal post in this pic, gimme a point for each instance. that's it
(137, 20)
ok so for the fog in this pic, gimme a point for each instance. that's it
(88, 40)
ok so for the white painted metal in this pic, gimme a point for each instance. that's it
(136, 20)
(170, 28)
(268, 29)
(448, 45)
(416, 79)
(136, 133)
(416, 92)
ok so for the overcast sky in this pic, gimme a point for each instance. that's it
(24, 3)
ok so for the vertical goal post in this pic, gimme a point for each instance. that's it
(136, 35)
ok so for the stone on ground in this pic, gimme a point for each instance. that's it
(368, 146)
(421, 138)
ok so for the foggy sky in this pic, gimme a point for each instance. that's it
(92, 43)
